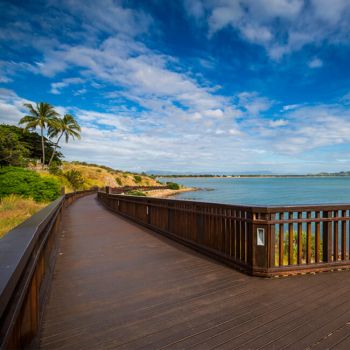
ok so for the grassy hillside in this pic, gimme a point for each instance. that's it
(97, 175)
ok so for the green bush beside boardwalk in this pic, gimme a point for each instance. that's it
(28, 184)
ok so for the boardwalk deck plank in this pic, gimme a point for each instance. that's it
(120, 286)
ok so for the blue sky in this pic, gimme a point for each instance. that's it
(186, 85)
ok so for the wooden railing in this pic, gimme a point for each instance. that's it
(261, 241)
(310, 238)
(27, 257)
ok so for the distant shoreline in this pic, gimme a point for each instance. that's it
(245, 176)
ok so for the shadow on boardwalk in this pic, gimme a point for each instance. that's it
(120, 286)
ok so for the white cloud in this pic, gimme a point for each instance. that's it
(290, 107)
(11, 106)
(57, 87)
(315, 63)
(310, 127)
(346, 98)
(195, 7)
(330, 12)
(257, 34)
(4, 79)
(277, 123)
(281, 26)
(9, 69)
(253, 102)
(214, 113)
(109, 16)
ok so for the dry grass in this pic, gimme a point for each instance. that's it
(14, 210)
(96, 176)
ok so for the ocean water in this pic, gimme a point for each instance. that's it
(267, 191)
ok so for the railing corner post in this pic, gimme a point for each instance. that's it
(263, 242)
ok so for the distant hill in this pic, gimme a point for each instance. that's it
(161, 173)
(340, 173)
(205, 174)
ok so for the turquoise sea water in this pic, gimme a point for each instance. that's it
(267, 191)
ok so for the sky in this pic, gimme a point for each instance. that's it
(186, 85)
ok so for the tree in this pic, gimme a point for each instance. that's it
(42, 115)
(75, 178)
(66, 126)
(31, 141)
(12, 151)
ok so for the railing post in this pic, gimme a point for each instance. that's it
(327, 237)
(271, 241)
(148, 212)
(170, 217)
(263, 242)
(63, 190)
(250, 239)
(108, 190)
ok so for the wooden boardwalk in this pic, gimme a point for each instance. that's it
(120, 286)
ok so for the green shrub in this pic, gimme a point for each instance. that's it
(28, 183)
(137, 178)
(55, 169)
(136, 193)
(75, 178)
(173, 185)
(119, 181)
(295, 247)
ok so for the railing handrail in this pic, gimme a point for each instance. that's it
(258, 208)
(20, 253)
(16, 247)
(255, 209)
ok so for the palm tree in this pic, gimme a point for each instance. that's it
(42, 115)
(67, 126)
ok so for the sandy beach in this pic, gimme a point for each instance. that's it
(168, 193)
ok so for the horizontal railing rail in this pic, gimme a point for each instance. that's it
(27, 257)
(262, 241)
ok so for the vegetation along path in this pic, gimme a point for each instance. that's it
(120, 286)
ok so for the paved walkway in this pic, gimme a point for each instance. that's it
(120, 286)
